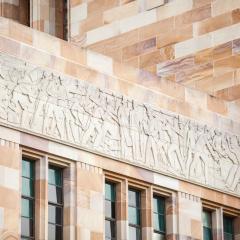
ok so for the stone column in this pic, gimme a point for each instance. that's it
(10, 190)
(40, 15)
(90, 202)
(10, 9)
(189, 216)
(237, 228)
(41, 199)
(69, 188)
(171, 217)
(147, 216)
(121, 207)
(217, 224)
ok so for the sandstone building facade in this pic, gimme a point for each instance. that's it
(120, 119)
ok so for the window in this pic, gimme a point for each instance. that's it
(228, 228)
(110, 211)
(55, 203)
(27, 209)
(134, 214)
(58, 18)
(159, 217)
(24, 12)
(207, 225)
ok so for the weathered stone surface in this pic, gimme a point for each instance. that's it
(72, 111)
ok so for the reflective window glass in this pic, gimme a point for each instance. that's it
(110, 211)
(207, 225)
(27, 187)
(109, 229)
(134, 214)
(134, 233)
(27, 208)
(159, 215)
(54, 194)
(228, 228)
(55, 176)
(109, 191)
(133, 198)
(55, 203)
(27, 201)
(54, 214)
(26, 227)
(27, 169)
(54, 232)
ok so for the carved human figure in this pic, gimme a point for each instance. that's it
(124, 109)
(54, 119)
(151, 130)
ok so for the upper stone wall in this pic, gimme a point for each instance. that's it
(192, 42)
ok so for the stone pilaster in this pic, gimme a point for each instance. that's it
(171, 217)
(10, 189)
(41, 199)
(217, 224)
(69, 221)
(90, 202)
(237, 228)
(147, 216)
(121, 207)
(189, 216)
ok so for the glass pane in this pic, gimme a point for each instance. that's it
(158, 236)
(26, 227)
(27, 169)
(134, 215)
(54, 214)
(134, 233)
(27, 187)
(207, 233)
(54, 194)
(207, 219)
(54, 232)
(55, 176)
(133, 198)
(162, 222)
(109, 209)
(228, 236)
(110, 191)
(156, 222)
(228, 224)
(27, 208)
(159, 205)
(110, 229)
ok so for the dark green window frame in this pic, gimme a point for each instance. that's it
(207, 224)
(55, 202)
(228, 229)
(159, 215)
(110, 210)
(28, 200)
(134, 207)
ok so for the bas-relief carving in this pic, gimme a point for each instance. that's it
(73, 111)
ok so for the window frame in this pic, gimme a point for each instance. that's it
(164, 214)
(57, 205)
(139, 208)
(210, 212)
(111, 220)
(232, 226)
(29, 198)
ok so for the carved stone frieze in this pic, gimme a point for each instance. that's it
(73, 111)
